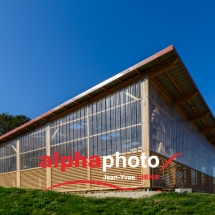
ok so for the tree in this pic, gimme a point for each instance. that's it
(10, 122)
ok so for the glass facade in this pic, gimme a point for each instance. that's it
(171, 133)
(108, 125)
(32, 146)
(8, 157)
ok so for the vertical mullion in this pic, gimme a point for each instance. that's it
(18, 163)
(48, 153)
(88, 146)
(88, 133)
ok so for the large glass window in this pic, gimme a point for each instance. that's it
(32, 146)
(8, 157)
(171, 133)
(110, 124)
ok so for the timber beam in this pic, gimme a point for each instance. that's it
(207, 129)
(185, 98)
(199, 116)
(120, 80)
(161, 68)
(89, 96)
(138, 71)
(162, 89)
(212, 139)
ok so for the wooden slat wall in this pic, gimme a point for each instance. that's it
(8, 179)
(161, 181)
(193, 180)
(213, 185)
(170, 175)
(167, 177)
(205, 182)
(183, 176)
(69, 175)
(199, 181)
(180, 176)
(98, 174)
(176, 175)
(188, 177)
(34, 178)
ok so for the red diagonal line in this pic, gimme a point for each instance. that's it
(172, 158)
(92, 182)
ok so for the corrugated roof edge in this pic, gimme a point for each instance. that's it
(185, 68)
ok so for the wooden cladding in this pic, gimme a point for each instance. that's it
(37, 178)
(96, 174)
(34, 178)
(167, 177)
(69, 175)
(8, 180)
(176, 175)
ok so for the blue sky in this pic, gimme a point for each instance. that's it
(51, 51)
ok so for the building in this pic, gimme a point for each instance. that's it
(153, 106)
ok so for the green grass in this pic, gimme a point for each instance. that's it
(23, 201)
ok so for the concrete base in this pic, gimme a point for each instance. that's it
(184, 190)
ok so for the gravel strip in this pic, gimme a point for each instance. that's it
(133, 195)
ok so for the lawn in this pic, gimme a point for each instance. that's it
(23, 201)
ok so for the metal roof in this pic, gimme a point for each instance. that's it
(167, 71)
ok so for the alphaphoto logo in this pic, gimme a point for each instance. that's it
(108, 162)
(95, 161)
